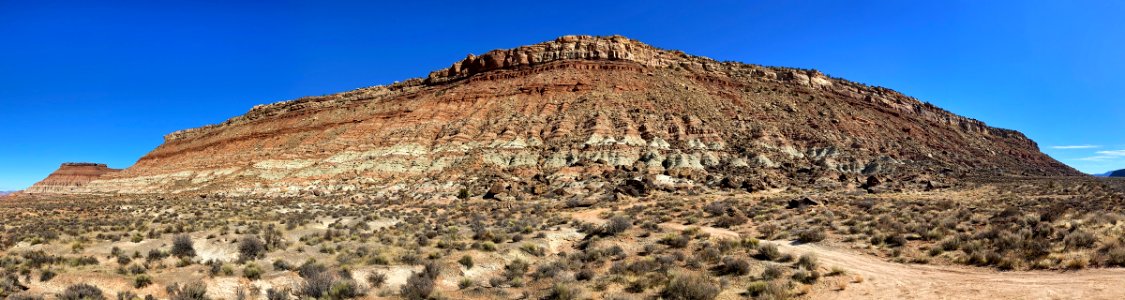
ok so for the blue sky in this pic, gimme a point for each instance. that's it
(104, 82)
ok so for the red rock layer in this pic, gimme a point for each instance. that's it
(69, 178)
(576, 109)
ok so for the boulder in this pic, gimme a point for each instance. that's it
(496, 190)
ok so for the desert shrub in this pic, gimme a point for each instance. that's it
(616, 225)
(282, 265)
(191, 291)
(1112, 255)
(155, 255)
(584, 274)
(772, 271)
(418, 286)
(756, 288)
(214, 267)
(252, 271)
(182, 246)
(276, 294)
(807, 261)
(46, 275)
(733, 266)
(344, 288)
(311, 268)
(316, 285)
(1080, 239)
(142, 281)
(82, 291)
(805, 276)
(128, 295)
(730, 221)
(465, 283)
(515, 269)
(533, 249)
(23, 296)
(250, 248)
(677, 241)
(768, 251)
(710, 254)
(376, 279)
(717, 208)
(775, 290)
(548, 270)
(690, 287)
(895, 240)
(466, 261)
(487, 246)
(811, 235)
(561, 291)
(769, 230)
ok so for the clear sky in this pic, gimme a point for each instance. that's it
(105, 82)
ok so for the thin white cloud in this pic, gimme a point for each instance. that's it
(1098, 158)
(1112, 152)
(1076, 147)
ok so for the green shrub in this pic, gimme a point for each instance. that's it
(466, 261)
(756, 288)
(142, 281)
(252, 271)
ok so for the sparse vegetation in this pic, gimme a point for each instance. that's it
(641, 249)
(690, 287)
(182, 246)
(82, 291)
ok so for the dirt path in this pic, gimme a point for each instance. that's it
(888, 280)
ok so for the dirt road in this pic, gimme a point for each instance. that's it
(888, 280)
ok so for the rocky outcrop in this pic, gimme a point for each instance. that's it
(69, 178)
(558, 117)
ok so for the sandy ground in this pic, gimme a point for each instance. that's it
(889, 280)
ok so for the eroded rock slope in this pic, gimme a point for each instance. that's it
(547, 117)
(69, 178)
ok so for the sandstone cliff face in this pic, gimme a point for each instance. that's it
(580, 109)
(69, 178)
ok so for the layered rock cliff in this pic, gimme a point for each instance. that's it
(69, 178)
(579, 109)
